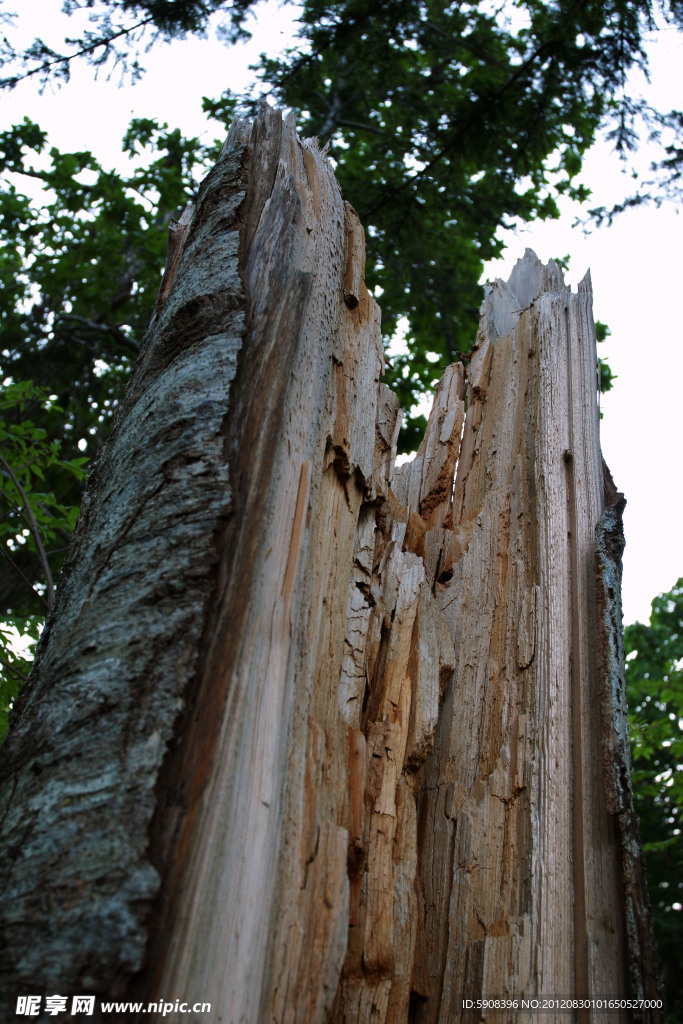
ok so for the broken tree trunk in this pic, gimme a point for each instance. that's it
(309, 737)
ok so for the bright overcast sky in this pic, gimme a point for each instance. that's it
(635, 264)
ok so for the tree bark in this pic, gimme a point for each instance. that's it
(310, 737)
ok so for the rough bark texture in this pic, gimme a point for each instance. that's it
(94, 722)
(311, 737)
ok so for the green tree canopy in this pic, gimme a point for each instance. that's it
(445, 121)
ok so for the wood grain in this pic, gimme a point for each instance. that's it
(311, 737)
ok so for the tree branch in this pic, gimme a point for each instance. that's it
(36, 536)
(24, 577)
(106, 41)
(100, 328)
(18, 675)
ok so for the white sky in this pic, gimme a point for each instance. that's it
(635, 264)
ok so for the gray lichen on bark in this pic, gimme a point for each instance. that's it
(109, 683)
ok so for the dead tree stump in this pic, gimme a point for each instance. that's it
(311, 737)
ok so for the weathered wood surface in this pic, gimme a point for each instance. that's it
(311, 737)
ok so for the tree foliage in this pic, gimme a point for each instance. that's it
(446, 122)
(654, 672)
(32, 523)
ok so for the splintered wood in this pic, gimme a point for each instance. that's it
(312, 738)
(409, 768)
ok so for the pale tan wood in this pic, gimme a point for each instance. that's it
(249, 899)
(382, 768)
